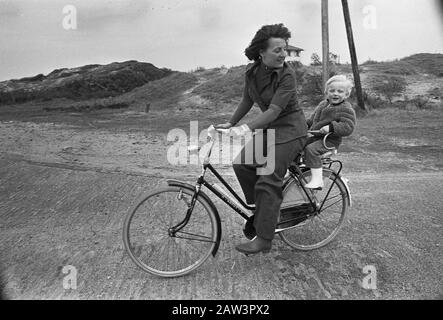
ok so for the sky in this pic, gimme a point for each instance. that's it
(37, 36)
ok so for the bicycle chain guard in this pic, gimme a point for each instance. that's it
(292, 216)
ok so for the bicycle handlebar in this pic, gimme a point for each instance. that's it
(212, 132)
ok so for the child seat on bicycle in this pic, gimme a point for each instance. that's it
(333, 115)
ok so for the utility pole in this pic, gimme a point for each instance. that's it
(354, 62)
(325, 40)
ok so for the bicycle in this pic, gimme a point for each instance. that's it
(173, 230)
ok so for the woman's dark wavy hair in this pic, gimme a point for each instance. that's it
(260, 41)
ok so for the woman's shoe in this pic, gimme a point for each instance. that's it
(316, 179)
(249, 229)
(255, 246)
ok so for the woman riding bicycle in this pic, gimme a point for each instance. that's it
(269, 82)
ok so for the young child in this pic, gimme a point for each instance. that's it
(335, 115)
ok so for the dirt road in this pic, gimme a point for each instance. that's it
(54, 217)
(65, 189)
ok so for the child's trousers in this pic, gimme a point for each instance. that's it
(313, 151)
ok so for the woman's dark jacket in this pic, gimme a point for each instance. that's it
(278, 87)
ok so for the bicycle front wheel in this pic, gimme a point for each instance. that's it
(320, 226)
(147, 237)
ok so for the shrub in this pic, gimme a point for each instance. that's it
(315, 60)
(89, 106)
(369, 61)
(372, 101)
(198, 69)
(223, 88)
(312, 87)
(389, 86)
(311, 84)
(420, 101)
(435, 92)
(431, 63)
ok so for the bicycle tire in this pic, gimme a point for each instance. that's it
(154, 228)
(297, 236)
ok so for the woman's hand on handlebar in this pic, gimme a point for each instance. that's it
(229, 129)
(226, 125)
(220, 128)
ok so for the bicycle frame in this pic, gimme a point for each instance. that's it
(223, 196)
(297, 174)
(201, 181)
(294, 170)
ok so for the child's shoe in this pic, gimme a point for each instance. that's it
(316, 179)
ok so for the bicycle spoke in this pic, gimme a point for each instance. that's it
(177, 254)
(147, 228)
(170, 253)
(160, 217)
(193, 234)
(156, 253)
(180, 254)
(156, 205)
(331, 197)
(167, 254)
(152, 252)
(323, 226)
(338, 201)
(195, 239)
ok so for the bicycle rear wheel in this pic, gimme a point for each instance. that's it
(317, 227)
(147, 237)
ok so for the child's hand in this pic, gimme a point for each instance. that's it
(324, 130)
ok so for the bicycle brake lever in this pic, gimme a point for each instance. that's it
(211, 131)
(193, 148)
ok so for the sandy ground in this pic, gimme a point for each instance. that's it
(66, 187)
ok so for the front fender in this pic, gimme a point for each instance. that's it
(185, 185)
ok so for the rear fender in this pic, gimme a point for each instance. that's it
(345, 182)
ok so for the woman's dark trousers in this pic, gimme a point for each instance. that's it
(265, 190)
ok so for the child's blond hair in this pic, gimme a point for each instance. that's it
(340, 78)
